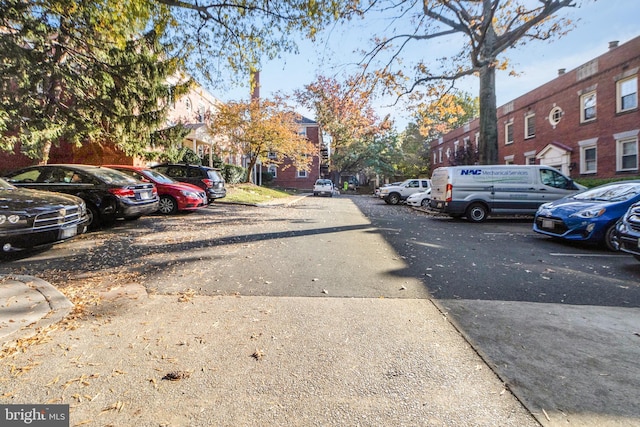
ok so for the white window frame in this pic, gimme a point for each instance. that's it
(587, 145)
(530, 158)
(619, 94)
(455, 148)
(273, 170)
(508, 160)
(440, 155)
(583, 107)
(620, 144)
(301, 173)
(508, 126)
(527, 118)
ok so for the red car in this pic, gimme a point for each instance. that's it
(174, 196)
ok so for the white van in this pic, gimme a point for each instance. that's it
(479, 191)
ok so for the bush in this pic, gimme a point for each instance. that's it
(594, 182)
(233, 174)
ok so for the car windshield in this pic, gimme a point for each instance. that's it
(323, 182)
(158, 177)
(110, 176)
(4, 185)
(610, 193)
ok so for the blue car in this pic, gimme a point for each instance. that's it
(589, 216)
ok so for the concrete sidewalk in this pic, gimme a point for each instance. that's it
(152, 360)
(28, 305)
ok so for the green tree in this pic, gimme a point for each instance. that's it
(415, 161)
(75, 72)
(483, 29)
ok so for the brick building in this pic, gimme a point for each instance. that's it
(287, 176)
(585, 122)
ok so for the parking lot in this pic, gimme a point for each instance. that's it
(558, 323)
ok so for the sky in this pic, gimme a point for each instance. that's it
(597, 22)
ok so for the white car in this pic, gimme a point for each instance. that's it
(323, 187)
(420, 199)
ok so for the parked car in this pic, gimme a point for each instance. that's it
(376, 192)
(30, 218)
(626, 236)
(478, 191)
(174, 196)
(108, 194)
(589, 216)
(419, 199)
(323, 187)
(394, 194)
(209, 179)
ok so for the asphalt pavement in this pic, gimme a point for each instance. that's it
(179, 359)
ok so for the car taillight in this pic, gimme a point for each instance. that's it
(122, 192)
(208, 182)
(448, 193)
(154, 191)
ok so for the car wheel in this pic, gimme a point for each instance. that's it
(168, 205)
(394, 199)
(424, 203)
(477, 212)
(608, 238)
(94, 222)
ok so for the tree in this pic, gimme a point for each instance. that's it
(74, 72)
(345, 113)
(415, 160)
(485, 29)
(266, 131)
(239, 35)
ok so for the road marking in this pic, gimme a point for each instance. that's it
(583, 255)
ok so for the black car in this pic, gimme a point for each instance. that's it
(30, 218)
(626, 236)
(209, 179)
(108, 194)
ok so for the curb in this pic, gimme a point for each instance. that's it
(59, 308)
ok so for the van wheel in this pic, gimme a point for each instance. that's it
(394, 198)
(608, 238)
(477, 212)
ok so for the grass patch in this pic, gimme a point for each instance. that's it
(250, 193)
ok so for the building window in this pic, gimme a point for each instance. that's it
(588, 159)
(440, 155)
(273, 170)
(508, 133)
(588, 107)
(455, 148)
(627, 158)
(555, 115)
(187, 104)
(508, 160)
(302, 173)
(302, 131)
(627, 90)
(529, 126)
(272, 155)
(477, 140)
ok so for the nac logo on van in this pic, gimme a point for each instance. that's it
(471, 172)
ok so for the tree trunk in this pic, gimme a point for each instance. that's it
(488, 143)
(44, 153)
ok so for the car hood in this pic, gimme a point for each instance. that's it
(186, 187)
(25, 199)
(565, 207)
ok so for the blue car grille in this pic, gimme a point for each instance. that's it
(65, 216)
(551, 225)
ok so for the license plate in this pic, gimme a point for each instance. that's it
(145, 195)
(66, 233)
(547, 223)
(439, 205)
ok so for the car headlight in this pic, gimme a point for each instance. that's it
(590, 213)
(12, 221)
(189, 194)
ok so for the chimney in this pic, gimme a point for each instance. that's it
(613, 44)
(561, 71)
(255, 84)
